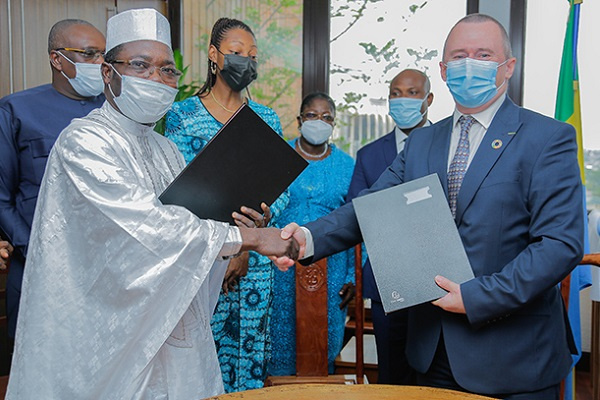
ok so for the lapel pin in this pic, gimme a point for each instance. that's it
(512, 133)
(496, 144)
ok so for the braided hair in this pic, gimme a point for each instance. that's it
(219, 30)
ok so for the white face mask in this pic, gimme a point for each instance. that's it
(88, 78)
(316, 132)
(143, 100)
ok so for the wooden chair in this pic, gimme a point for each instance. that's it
(311, 330)
(352, 356)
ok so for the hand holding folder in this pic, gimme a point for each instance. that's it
(411, 238)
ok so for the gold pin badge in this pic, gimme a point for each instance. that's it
(496, 144)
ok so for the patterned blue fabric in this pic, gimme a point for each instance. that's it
(321, 188)
(460, 162)
(241, 320)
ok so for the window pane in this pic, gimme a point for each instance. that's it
(543, 48)
(370, 45)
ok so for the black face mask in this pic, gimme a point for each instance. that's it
(238, 71)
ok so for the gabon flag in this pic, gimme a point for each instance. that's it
(568, 109)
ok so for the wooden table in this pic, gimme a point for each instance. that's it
(349, 392)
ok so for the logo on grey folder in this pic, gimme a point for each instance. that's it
(396, 298)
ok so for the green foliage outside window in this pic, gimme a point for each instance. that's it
(185, 90)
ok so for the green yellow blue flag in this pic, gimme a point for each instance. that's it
(568, 109)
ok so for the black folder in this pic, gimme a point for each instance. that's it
(411, 237)
(244, 164)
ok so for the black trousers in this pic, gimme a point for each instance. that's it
(390, 337)
(440, 375)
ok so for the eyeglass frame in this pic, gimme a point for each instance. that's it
(322, 116)
(149, 72)
(84, 52)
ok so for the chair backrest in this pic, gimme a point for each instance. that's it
(359, 315)
(311, 319)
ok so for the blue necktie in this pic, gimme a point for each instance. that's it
(459, 163)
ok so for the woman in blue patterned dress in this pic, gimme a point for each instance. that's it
(241, 320)
(320, 188)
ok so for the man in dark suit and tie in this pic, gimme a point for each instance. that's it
(512, 181)
(409, 100)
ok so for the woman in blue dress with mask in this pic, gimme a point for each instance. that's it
(241, 320)
(320, 188)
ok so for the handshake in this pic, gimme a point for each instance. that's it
(283, 247)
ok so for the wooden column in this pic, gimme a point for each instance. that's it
(315, 46)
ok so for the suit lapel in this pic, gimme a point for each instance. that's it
(390, 150)
(438, 153)
(502, 130)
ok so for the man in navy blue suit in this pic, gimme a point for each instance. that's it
(409, 100)
(30, 122)
(512, 181)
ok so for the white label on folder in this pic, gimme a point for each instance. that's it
(417, 195)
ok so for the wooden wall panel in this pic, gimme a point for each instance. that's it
(27, 30)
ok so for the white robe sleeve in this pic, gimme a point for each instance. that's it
(110, 273)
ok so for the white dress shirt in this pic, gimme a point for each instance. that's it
(401, 136)
(482, 122)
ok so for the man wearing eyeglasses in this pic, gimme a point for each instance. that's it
(119, 289)
(30, 122)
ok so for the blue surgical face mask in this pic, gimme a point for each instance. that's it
(406, 111)
(316, 132)
(88, 78)
(472, 82)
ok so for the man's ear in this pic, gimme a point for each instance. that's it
(429, 99)
(55, 60)
(443, 70)
(107, 72)
(510, 68)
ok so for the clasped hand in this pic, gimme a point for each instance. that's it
(5, 251)
(269, 242)
(266, 241)
(295, 233)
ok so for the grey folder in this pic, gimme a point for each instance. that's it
(244, 164)
(411, 237)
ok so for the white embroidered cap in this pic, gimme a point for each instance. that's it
(138, 24)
